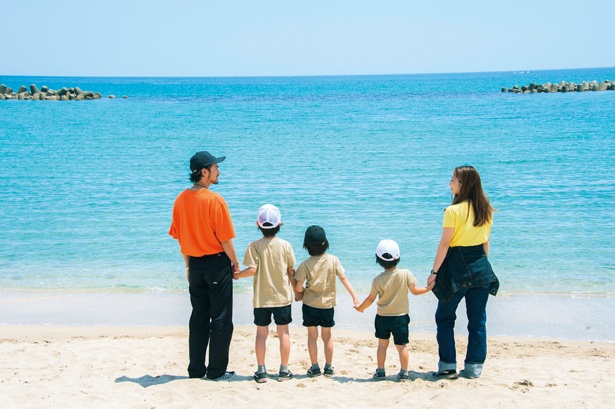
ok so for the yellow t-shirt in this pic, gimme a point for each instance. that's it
(461, 217)
(391, 288)
(319, 272)
(271, 256)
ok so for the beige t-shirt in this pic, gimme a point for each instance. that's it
(392, 287)
(319, 272)
(271, 256)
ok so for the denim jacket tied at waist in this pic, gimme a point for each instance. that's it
(464, 267)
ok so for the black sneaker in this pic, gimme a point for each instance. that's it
(447, 374)
(260, 377)
(227, 375)
(403, 377)
(379, 376)
(313, 372)
(284, 376)
(329, 371)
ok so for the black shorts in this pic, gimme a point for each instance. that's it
(314, 317)
(281, 316)
(398, 326)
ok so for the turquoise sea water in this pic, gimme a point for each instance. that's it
(87, 187)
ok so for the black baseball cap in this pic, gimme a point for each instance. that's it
(203, 159)
(315, 235)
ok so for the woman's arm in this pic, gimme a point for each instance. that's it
(445, 242)
(486, 247)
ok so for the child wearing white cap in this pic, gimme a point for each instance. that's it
(271, 261)
(391, 288)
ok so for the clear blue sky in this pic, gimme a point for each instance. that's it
(293, 37)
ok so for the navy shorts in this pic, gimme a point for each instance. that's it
(314, 317)
(398, 326)
(281, 315)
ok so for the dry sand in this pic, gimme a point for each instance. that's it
(144, 367)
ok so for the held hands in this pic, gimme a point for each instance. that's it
(298, 295)
(431, 286)
(431, 281)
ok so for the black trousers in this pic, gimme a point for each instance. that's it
(211, 322)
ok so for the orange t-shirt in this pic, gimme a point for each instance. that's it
(201, 220)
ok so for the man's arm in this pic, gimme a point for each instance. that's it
(229, 249)
(186, 258)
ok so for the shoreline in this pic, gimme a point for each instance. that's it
(145, 367)
(540, 316)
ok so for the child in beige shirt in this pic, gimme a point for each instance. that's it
(391, 288)
(319, 295)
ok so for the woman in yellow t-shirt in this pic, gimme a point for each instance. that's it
(461, 270)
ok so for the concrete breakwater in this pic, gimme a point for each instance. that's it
(606, 85)
(47, 94)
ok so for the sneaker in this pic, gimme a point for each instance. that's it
(329, 371)
(447, 374)
(403, 377)
(284, 376)
(227, 375)
(467, 375)
(260, 377)
(380, 376)
(313, 372)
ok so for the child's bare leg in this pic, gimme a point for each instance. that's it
(328, 343)
(312, 344)
(381, 354)
(402, 350)
(284, 336)
(260, 346)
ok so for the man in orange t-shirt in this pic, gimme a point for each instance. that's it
(202, 224)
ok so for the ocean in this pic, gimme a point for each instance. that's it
(87, 187)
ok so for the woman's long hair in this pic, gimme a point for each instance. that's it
(472, 190)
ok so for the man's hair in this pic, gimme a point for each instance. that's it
(316, 249)
(387, 264)
(196, 175)
(269, 232)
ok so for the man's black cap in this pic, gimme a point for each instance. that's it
(203, 159)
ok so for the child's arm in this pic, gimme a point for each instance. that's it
(422, 290)
(350, 290)
(248, 272)
(299, 290)
(295, 284)
(368, 301)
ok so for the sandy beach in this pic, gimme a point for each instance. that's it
(144, 367)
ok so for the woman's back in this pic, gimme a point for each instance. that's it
(461, 217)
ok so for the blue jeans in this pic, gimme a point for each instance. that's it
(476, 304)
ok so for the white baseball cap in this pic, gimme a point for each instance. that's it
(269, 214)
(388, 247)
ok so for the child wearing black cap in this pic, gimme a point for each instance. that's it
(318, 272)
(391, 287)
